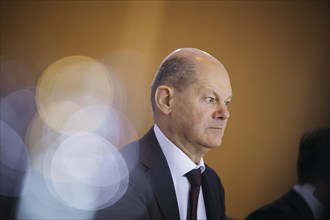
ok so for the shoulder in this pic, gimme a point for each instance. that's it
(269, 213)
(274, 210)
(211, 179)
(289, 207)
(211, 175)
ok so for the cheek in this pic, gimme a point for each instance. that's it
(187, 112)
(199, 122)
(192, 115)
(203, 116)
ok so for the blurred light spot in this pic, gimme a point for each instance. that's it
(74, 141)
(87, 172)
(39, 203)
(86, 118)
(117, 129)
(38, 132)
(70, 84)
(17, 109)
(8, 115)
(84, 170)
(14, 161)
(43, 141)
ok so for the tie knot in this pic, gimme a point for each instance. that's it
(194, 177)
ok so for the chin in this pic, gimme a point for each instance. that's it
(215, 144)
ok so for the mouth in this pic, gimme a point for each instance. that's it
(216, 128)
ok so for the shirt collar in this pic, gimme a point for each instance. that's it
(178, 162)
(307, 192)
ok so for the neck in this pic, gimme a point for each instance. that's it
(194, 156)
(195, 153)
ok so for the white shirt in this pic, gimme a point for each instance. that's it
(180, 164)
(307, 193)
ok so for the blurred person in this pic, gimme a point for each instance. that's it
(309, 197)
(189, 96)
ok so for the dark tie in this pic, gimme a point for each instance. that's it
(194, 177)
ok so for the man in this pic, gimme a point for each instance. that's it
(309, 198)
(190, 96)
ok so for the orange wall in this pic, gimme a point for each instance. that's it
(276, 52)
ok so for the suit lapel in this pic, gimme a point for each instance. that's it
(213, 195)
(210, 199)
(159, 175)
(300, 205)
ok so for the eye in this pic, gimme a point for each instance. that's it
(227, 103)
(210, 100)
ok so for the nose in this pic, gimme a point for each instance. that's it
(221, 113)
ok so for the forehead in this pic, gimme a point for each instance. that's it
(213, 76)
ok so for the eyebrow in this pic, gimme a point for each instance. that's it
(229, 97)
(208, 90)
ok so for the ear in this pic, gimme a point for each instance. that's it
(163, 96)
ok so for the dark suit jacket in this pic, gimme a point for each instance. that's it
(291, 206)
(151, 193)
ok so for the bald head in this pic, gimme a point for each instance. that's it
(192, 53)
(180, 69)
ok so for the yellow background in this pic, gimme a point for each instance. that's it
(276, 52)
